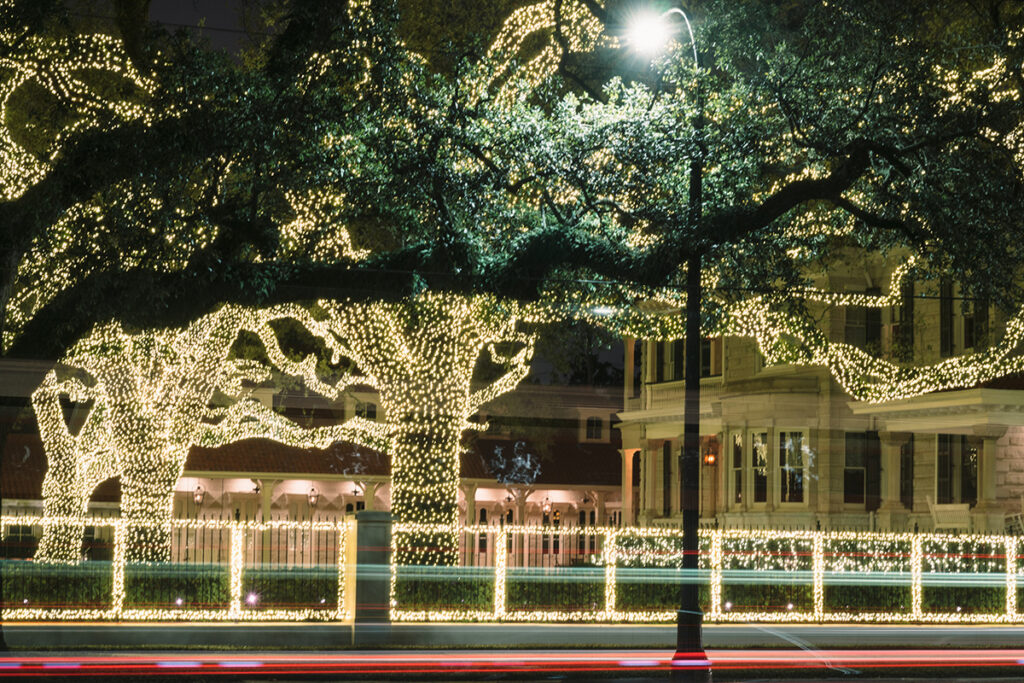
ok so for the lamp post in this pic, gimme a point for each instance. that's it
(648, 34)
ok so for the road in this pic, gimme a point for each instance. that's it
(732, 664)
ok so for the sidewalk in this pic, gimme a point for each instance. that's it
(334, 636)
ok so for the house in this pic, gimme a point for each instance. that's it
(786, 447)
(550, 455)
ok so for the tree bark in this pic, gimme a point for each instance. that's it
(147, 505)
(425, 467)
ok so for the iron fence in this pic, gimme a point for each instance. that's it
(246, 570)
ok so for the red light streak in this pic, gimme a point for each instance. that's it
(378, 663)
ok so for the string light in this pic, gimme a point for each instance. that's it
(827, 554)
(832, 554)
(344, 530)
(150, 395)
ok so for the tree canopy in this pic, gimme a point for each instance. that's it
(166, 178)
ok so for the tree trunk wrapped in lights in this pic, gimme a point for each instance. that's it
(421, 355)
(150, 396)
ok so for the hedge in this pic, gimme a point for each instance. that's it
(161, 585)
(639, 597)
(426, 588)
(291, 588)
(38, 585)
(556, 588)
(970, 599)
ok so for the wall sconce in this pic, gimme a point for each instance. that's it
(313, 497)
(710, 458)
(198, 495)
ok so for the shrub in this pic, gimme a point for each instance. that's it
(291, 588)
(556, 588)
(422, 588)
(86, 585)
(162, 585)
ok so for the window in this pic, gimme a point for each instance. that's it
(945, 318)
(907, 474)
(956, 476)
(737, 468)
(367, 410)
(705, 357)
(759, 462)
(678, 358)
(903, 324)
(854, 476)
(976, 326)
(864, 326)
(595, 428)
(556, 521)
(791, 462)
(666, 479)
(862, 474)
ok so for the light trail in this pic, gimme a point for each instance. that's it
(492, 662)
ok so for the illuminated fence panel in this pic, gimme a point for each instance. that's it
(297, 571)
(649, 577)
(197, 577)
(463, 593)
(768, 576)
(204, 581)
(964, 578)
(863, 577)
(293, 567)
(555, 570)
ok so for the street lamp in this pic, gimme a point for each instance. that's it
(647, 35)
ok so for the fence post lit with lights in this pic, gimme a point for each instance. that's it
(779, 576)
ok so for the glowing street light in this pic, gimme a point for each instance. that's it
(648, 33)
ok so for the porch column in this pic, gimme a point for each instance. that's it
(370, 494)
(469, 491)
(600, 501)
(627, 485)
(645, 482)
(987, 514)
(891, 514)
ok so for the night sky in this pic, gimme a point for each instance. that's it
(219, 17)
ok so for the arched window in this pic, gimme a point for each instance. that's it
(595, 428)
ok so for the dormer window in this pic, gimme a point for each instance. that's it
(595, 428)
(367, 410)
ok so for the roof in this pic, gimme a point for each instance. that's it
(23, 464)
(597, 464)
